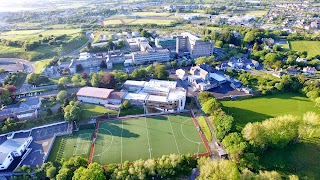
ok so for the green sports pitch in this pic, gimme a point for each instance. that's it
(146, 137)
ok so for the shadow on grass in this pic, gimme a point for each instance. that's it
(115, 128)
(301, 158)
(244, 116)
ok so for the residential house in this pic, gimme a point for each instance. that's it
(310, 70)
(182, 74)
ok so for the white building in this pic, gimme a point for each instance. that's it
(182, 74)
(304, 60)
(12, 148)
(309, 70)
(157, 94)
(150, 56)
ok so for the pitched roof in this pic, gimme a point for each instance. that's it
(117, 95)
(94, 92)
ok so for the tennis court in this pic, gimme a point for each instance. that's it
(146, 137)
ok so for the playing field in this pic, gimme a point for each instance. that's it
(146, 137)
(312, 47)
(78, 144)
(262, 108)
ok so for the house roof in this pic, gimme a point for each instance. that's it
(117, 95)
(12, 144)
(94, 92)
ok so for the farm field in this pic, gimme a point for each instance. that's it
(261, 108)
(146, 137)
(312, 47)
(301, 158)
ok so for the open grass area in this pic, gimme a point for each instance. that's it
(301, 158)
(258, 13)
(40, 65)
(152, 14)
(312, 47)
(77, 144)
(146, 137)
(152, 21)
(132, 111)
(205, 128)
(261, 108)
(72, 41)
(90, 110)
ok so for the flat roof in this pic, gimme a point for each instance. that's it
(157, 98)
(136, 96)
(217, 77)
(161, 84)
(12, 144)
(102, 93)
(134, 83)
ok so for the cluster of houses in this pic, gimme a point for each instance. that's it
(21, 111)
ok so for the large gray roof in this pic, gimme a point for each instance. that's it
(12, 144)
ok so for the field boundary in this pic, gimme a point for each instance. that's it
(203, 139)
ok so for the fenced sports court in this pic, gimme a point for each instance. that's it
(120, 140)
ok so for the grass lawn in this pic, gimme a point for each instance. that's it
(90, 110)
(73, 41)
(152, 14)
(261, 108)
(78, 144)
(131, 111)
(144, 138)
(205, 128)
(312, 47)
(40, 65)
(152, 21)
(301, 158)
(255, 13)
(112, 22)
(119, 66)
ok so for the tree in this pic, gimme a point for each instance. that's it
(150, 69)
(270, 59)
(223, 125)
(11, 88)
(95, 79)
(84, 75)
(184, 63)
(89, 45)
(174, 64)
(51, 172)
(37, 79)
(93, 172)
(79, 68)
(235, 145)
(205, 96)
(210, 106)
(273, 132)
(125, 105)
(214, 169)
(5, 96)
(205, 60)
(108, 81)
(62, 95)
(76, 79)
(161, 72)
(310, 125)
(313, 94)
(249, 37)
(218, 44)
(63, 80)
(102, 64)
(49, 112)
(72, 112)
